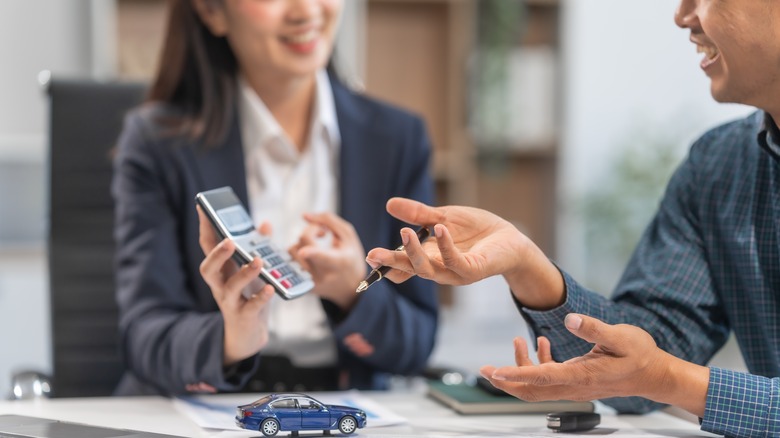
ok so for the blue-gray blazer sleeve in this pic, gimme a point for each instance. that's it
(169, 338)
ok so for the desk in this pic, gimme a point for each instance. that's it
(426, 418)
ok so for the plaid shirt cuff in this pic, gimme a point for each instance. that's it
(549, 323)
(741, 405)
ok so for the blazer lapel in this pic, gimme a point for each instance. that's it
(223, 165)
(363, 161)
(352, 130)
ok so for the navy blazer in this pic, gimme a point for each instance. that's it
(170, 326)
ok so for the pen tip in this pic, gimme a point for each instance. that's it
(361, 287)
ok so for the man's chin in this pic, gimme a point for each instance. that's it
(721, 96)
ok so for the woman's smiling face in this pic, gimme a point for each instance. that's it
(285, 38)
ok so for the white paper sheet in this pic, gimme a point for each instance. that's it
(219, 411)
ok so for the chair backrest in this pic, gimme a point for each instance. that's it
(85, 121)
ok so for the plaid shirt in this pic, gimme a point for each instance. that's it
(708, 263)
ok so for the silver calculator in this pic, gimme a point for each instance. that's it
(232, 221)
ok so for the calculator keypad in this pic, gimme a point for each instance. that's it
(277, 266)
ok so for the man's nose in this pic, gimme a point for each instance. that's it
(685, 15)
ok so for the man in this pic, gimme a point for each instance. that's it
(708, 263)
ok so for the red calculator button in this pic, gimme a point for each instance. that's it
(276, 274)
(286, 284)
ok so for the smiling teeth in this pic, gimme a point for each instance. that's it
(302, 38)
(710, 52)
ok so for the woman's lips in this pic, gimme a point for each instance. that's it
(303, 42)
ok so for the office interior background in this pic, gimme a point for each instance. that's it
(564, 116)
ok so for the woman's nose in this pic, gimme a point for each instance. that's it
(301, 11)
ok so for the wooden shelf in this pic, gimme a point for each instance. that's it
(547, 3)
(140, 33)
(417, 54)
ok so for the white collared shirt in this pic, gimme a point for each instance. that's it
(282, 184)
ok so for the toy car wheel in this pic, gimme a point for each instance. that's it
(347, 425)
(269, 427)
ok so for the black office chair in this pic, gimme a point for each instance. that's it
(86, 118)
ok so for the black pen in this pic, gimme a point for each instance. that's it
(379, 273)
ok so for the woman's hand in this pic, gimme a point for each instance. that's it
(470, 244)
(245, 320)
(336, 269)
(624, 361)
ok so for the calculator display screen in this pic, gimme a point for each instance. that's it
(235, 219)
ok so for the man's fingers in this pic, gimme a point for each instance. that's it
(534, 393)
(414, 212)
(595, 331)
(452, 258)
(543, 350)
(394, 275)
(521, 353)
(419, 259)
(398, 260)
(542, 375)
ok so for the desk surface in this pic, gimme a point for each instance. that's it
(426, 418)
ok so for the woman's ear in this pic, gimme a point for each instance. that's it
(212, 14)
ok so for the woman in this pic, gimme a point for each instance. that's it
(242, 99)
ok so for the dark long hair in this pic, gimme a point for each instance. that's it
(197, 75)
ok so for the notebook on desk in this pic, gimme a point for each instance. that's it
(18, 426)
(470, 399)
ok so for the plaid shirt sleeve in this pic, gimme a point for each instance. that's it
(742, 405)
(666, 289)
(565, 345)
(707, 264)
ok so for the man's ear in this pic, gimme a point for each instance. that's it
(212, 14)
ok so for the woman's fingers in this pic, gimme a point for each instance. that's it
(207, 236)
(211, 266)
(265, 229)
(341, 228)
(261, 299)
(358, 345)
(307, 239)
(235, 284)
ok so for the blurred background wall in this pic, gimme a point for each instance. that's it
(34, 36)
(564, 116)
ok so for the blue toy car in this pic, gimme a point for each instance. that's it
(296, 412)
